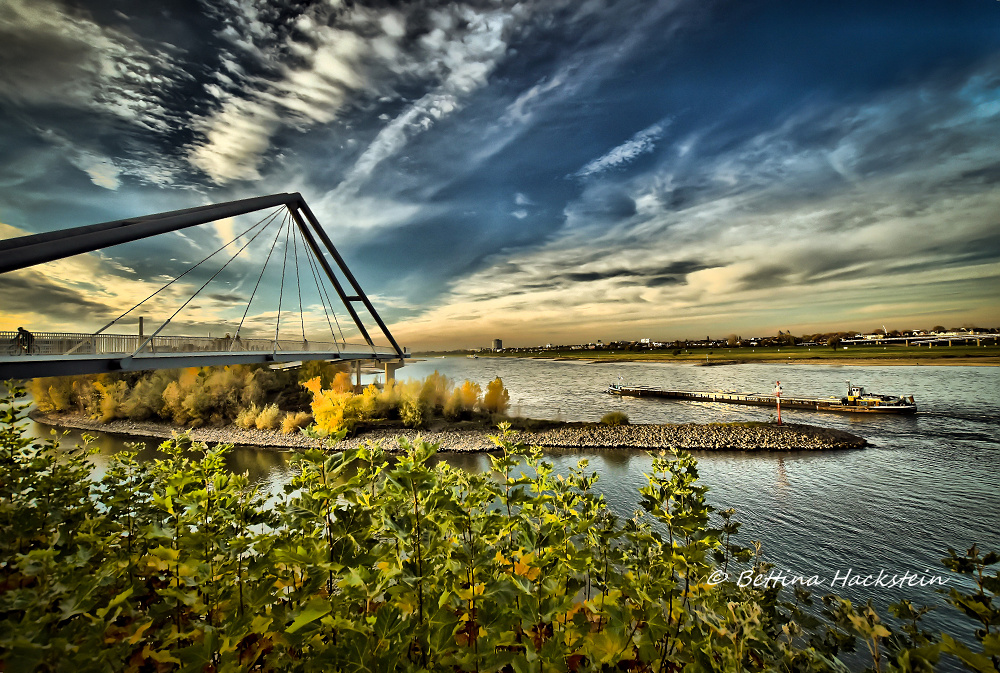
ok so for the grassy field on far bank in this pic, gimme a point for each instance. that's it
(938, 355)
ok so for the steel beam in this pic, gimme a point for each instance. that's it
(297, 216)
(360, 294)
(25, 251)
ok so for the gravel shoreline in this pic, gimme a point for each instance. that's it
(689, 436)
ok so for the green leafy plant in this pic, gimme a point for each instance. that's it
(371, 564)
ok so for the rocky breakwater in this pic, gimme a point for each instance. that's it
(693, 437)
(711, 437)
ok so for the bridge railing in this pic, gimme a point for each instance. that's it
(59, 343)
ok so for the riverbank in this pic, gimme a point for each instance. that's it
(944, 361)
(946, 356)
(688, 436)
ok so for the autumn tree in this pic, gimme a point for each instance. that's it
(497, 399)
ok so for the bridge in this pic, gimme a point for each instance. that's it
(293, 224)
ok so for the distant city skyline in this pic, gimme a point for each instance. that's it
(533, 171)
(498, 344)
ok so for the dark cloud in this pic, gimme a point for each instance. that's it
(765, 277)
(602, 205)
(672, 274)
(227, 298)
(661, 281)
(30, 292)
(586, 277)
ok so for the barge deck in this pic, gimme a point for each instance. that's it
(879, 404)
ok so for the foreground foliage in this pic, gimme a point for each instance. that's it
(368, 564)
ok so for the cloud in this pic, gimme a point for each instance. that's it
(641, 143)
(58, 62)
(236, 139)
(461, 49)
(23, 293)
(767, 229)
(600, 205)
(331, 57)
(103, 173)
(55, 55)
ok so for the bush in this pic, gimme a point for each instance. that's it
(372, 404)
(332, 411)
(435, 392)
(372, 565)
(463, 401)
(414, 410)
(614, 418)
(193, 396)
(414, 402)
(145, 400)
(51, 393)
(269, 418)
(112, 400)
(295, 420)
(496, 399)
(325, 370)
(342, 383)
(247, 417)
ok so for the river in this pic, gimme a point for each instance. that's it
(927, 482)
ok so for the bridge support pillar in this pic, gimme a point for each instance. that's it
(390, 370)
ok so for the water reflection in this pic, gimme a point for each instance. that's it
(268, 466)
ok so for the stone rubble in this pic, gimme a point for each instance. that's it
(710, 437)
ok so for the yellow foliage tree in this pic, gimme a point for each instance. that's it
(332, 410)
(342, 383)
(463, 400)
(497, 399)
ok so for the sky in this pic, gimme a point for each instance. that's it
(537, 171)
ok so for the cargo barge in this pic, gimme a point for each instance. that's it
(856, 401)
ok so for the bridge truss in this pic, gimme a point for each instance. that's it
(56, 354)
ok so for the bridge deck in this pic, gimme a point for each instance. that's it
(68, 354)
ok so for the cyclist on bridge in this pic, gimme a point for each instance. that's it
(25, 339)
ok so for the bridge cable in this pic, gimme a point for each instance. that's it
(298, 285)
(321, 285)
(322, 300)
(263, 269)
(319, 291)
(191, 298)
(320, 281)
(270, 216)
(324, 279)
(281, 291)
